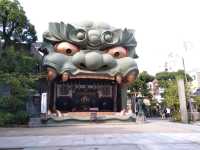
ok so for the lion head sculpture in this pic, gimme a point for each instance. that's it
(89, 48)
(96, 55)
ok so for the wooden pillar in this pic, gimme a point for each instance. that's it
(133, 102)
(124, 96)
(48, 94)
(115, 97)
(54, 95)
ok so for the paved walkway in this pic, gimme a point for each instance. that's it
(139, 141)
(154, 135)
(152, 126)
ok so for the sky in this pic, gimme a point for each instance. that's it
(166, 30)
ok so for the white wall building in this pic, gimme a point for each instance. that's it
(195, 84)
(156, 91)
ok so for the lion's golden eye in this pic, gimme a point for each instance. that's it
(66, 48)
(118, 52)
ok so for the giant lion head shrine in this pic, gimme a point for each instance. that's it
(89, 67)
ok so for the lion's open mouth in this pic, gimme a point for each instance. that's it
(81, 93)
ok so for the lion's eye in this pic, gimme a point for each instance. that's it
(66, 48)
(118, 52)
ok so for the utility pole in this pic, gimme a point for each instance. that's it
(183, 60)
(185, 44)
(182, 100)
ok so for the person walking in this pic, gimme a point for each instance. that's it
(168, 112)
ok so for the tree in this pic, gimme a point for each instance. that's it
(172, 99)
(144, 76)
(164, 77)
(140, 85)
(17, 61)
(197, 100)
(168, 80)
(171, 95)
(14, 25)
(17, 72)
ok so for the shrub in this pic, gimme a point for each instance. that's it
(6, 118)
(176, 116)
(2, 123)
(21, 117)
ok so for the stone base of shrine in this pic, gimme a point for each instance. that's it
(75, 118)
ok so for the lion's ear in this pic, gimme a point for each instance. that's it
(56, 33)
(128, 41)
(76, 35)
(128, 38)
(70, 27)
(54, 29)
(71, 31)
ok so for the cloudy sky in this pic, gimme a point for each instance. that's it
(164, 28)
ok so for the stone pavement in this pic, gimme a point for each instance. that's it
(162, 135)
(151, 126)
(137, 141)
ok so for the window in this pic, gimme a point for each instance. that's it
(106, 91)
(64, 90)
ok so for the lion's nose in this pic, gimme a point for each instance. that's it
(89, 61)
(93, 61)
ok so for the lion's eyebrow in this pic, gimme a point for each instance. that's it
(59, 32)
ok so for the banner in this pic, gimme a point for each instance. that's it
(44, 103)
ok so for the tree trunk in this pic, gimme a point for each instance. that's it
(6, 42)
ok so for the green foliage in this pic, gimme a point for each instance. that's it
(164, 77)
(153, 107)
(14, 23)
(171, 95)
(17, 72)
(140, 85)
(6, 118)
(144, 76)
(172, 99)
(17, 61)
(168, 80)
(197, 100)
(21, 117)
(176, 116)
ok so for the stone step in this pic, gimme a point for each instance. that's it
(34, 122)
